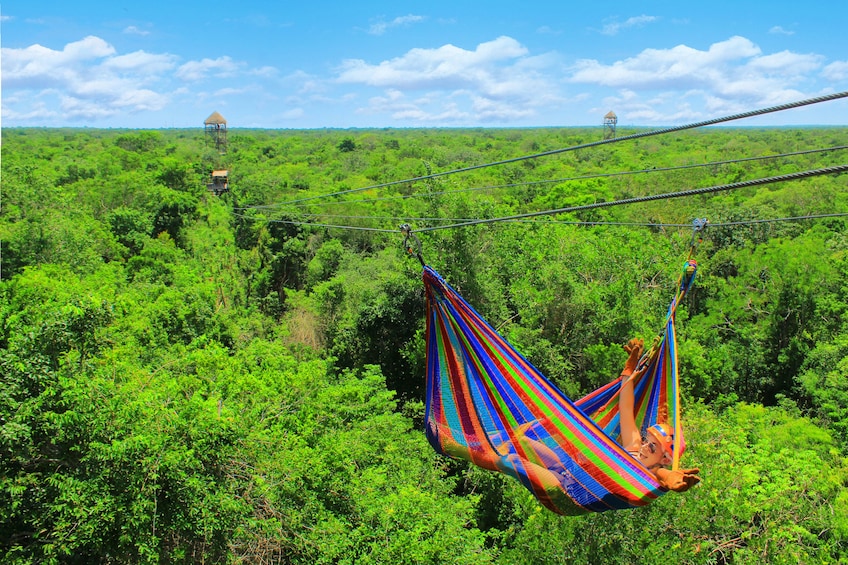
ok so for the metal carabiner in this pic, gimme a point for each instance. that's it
(411, 243)
(698, 225)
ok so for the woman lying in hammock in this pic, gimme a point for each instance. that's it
(545, 469)
(655, 451)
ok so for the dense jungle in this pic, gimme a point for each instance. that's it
(239, 378)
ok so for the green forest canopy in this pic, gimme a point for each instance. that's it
(195, 378)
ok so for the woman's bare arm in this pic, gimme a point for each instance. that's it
(631, 439)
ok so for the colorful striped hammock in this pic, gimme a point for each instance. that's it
(488, 405)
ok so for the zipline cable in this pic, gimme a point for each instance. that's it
(579, 223)
(714, 121)
(687, 225)
(564, 179)
(318, 225)
(664, 196)
(839, 169)
(566, 222)
(770, 220)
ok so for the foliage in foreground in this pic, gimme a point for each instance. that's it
(184, 380)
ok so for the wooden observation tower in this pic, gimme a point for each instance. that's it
(609, 125)
(216, 131)
(219, 183)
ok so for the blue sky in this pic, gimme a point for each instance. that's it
(317, 64)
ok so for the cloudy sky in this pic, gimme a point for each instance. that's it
(322, 64)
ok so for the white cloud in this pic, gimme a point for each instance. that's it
(230, 91)
(495, 82)
(5, 18)
(680, 67)
(418, 110)
(836, 71)
(38, 112)
(81, 109)
(198, 70)
(489, 110)
(81, 67)
(133, 30)
(637, 21)
(547, 30)
(445, 67)
(658, 67)
(779, 30)
(733, 68)
(729, 77)
(449, 114)
(380, 28)
(496, 79)
(36, 66)
(141, 62)
(786, 63)
(662, 108)
(292, 114)
(89, 80)
(141, 99)
(265, 71)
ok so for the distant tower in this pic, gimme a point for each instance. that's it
(216, 130)
(609, 125)
(220, 183)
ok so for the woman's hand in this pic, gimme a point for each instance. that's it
(634, 349)
(680, 480)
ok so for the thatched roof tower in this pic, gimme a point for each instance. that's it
(609, 125)
(215, 119)
(216, 129)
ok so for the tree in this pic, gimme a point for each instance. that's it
(347, 145)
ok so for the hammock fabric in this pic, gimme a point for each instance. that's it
(488, 405)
